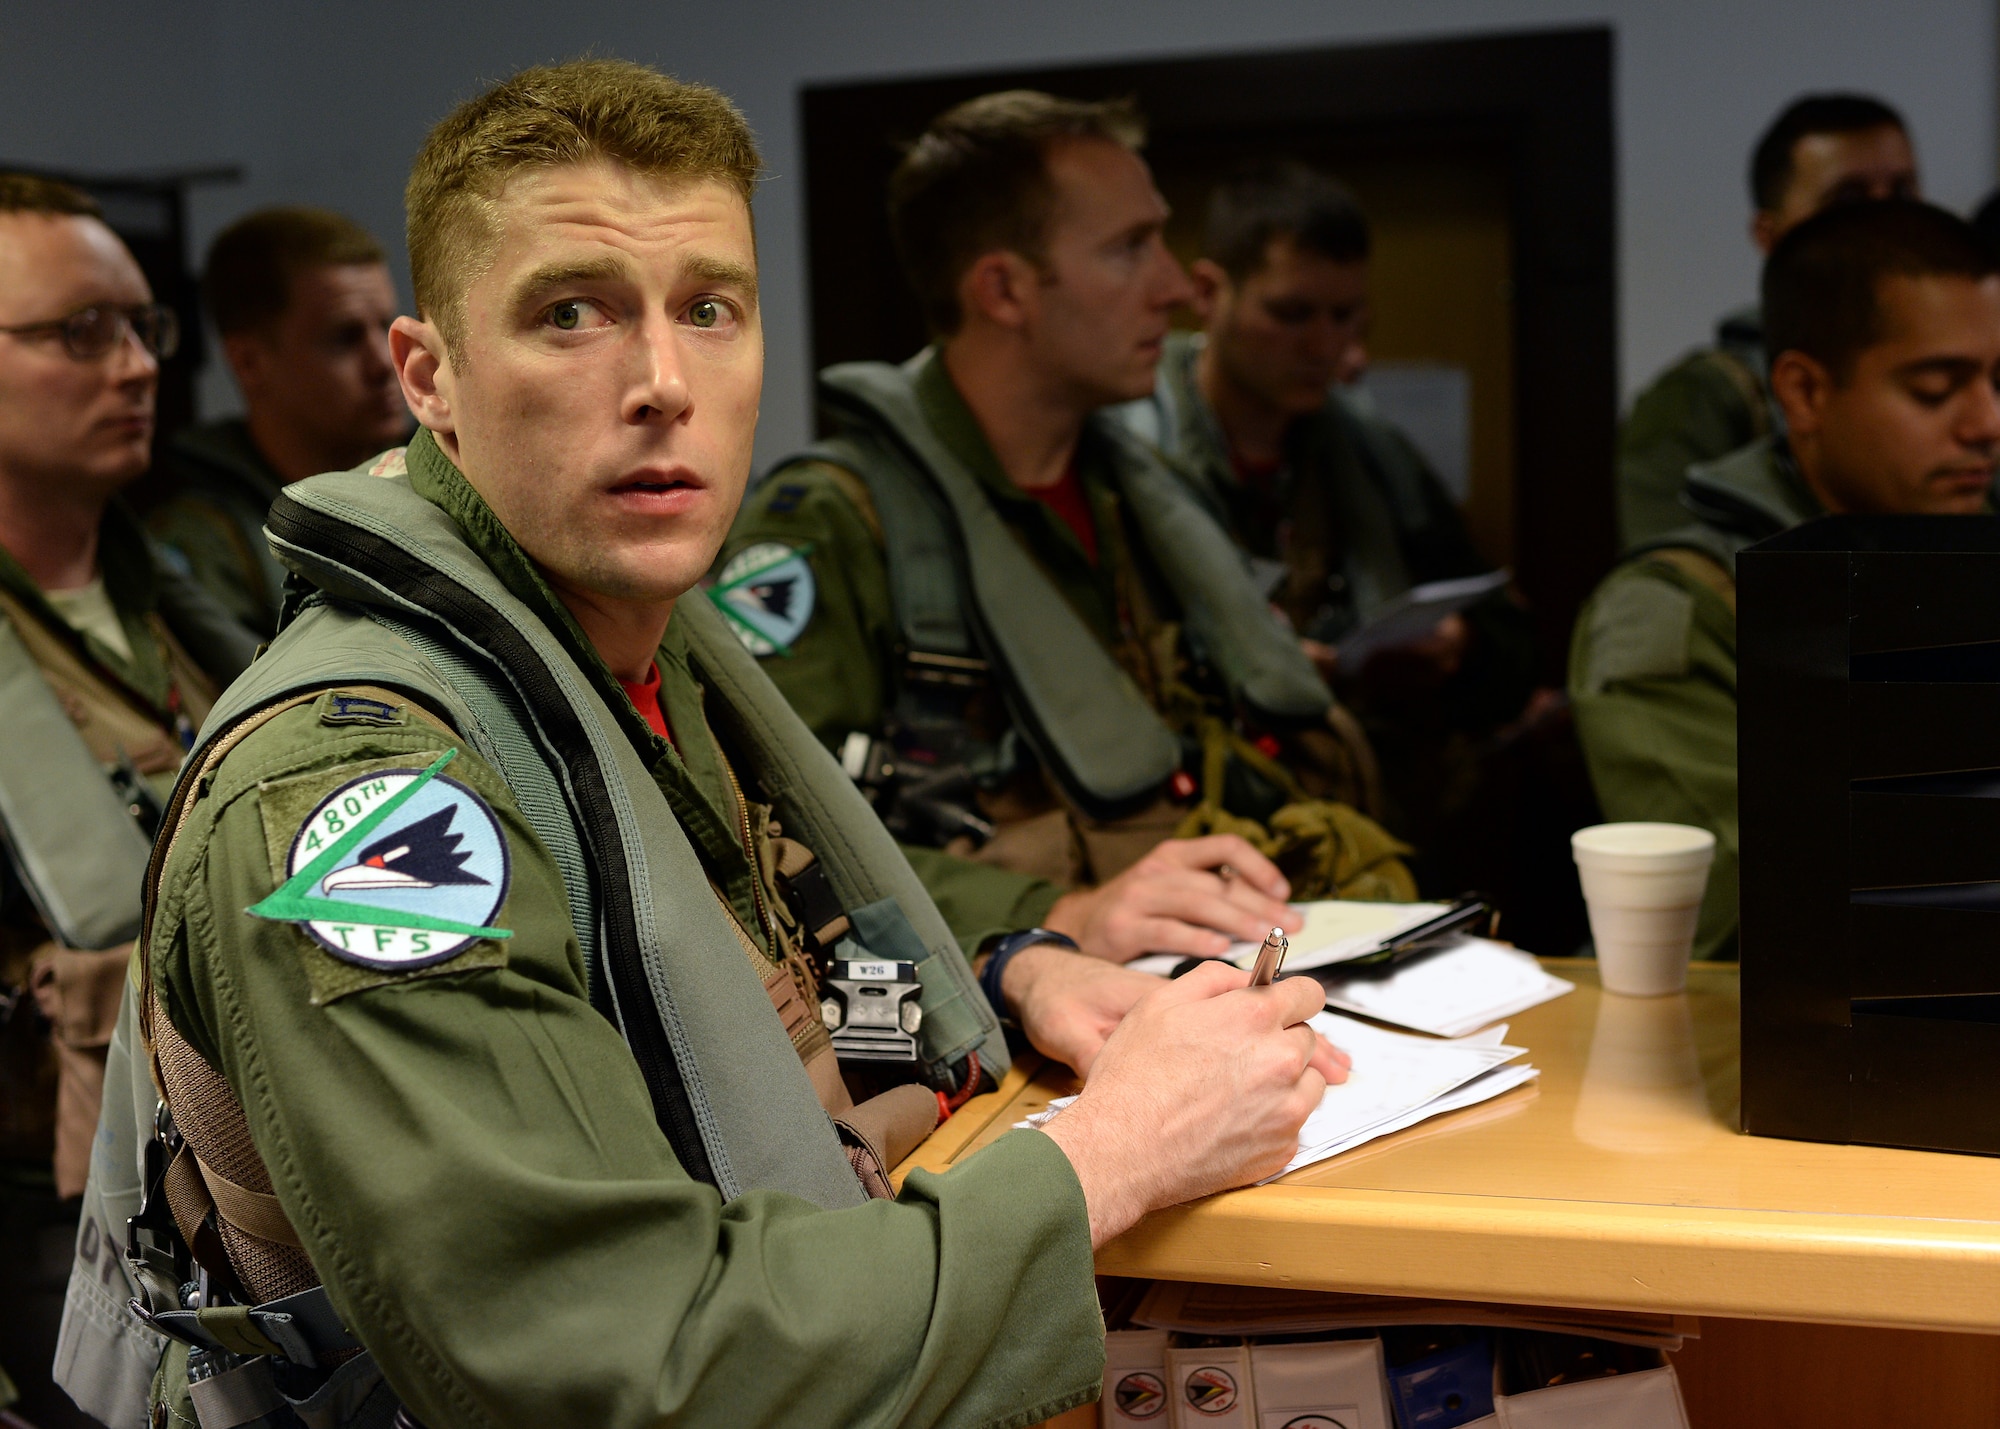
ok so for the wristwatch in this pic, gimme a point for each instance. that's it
(1004, 949)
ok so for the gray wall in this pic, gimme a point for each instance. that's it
(326, 103)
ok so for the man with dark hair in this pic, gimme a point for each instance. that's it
(1042, 637)
(1330, 497)
(302, 299)
(502, 931)
(1821, 151)
(108, 661)
(1884, 325)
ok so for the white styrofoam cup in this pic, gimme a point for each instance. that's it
(1643, 884)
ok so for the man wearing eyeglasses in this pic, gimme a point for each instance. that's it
(108, 662)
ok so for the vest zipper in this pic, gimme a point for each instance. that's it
(756, 869)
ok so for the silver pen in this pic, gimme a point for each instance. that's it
(1270, 958)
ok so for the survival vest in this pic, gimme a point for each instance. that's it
(966, 590)
(398, 603)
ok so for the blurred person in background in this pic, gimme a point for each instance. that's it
(1333, 504)
(1884, 326)
(109, 659)
(1822, 150)
(988, 580)
(303, 300)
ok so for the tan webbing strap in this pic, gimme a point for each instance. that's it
(187, 1196)
(248, 1210)
(1701, 567)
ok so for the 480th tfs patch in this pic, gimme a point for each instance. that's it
(766, 593)
(395, 870)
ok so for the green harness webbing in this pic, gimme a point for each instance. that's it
(964, 585)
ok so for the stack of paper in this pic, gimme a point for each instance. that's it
(1449, 992)
(1396, 1081)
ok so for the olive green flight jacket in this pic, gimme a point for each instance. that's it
(1709, 404)
(1652, 672)
(471, 1157)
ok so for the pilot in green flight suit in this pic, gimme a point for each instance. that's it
(1821, 150)
(1012, 601)
(1885, 322)
(484, 975)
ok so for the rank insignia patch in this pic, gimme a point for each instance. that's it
(396, 870)
(766, 592)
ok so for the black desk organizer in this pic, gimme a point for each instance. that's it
(1868, 751)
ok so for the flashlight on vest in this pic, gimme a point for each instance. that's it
(871, 1008)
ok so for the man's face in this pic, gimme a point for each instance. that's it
(1831, 169)
(1916, 426)
(322, 367)
(1098, 319)
(1291, 329)
(70, 429)
(612, 357)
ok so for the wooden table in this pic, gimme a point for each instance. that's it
(1619, 1180)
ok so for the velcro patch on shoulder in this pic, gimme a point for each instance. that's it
(785, 500)
(1639, 629)
(767, 593)
(391, 870)
(345, 707)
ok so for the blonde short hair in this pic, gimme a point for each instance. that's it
(543, 118)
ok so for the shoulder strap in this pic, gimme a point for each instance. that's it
(80, 853)
(924, 579)
(1080, 710)
(1703, 567)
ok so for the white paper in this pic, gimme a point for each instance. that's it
(1396, 1081)
(1415, 614)
(1452, 991)
(1393, 1077)
(1335, 930)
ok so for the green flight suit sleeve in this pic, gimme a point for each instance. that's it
(207, 539)
(1652, 678)
(837, 672)
(1695, 411)
(469, 1155)
(979, 901)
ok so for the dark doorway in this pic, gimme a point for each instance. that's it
(1501, 144)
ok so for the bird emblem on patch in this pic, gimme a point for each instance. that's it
(396, 870)
(766, 592)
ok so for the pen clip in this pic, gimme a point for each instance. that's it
(1270, 958)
